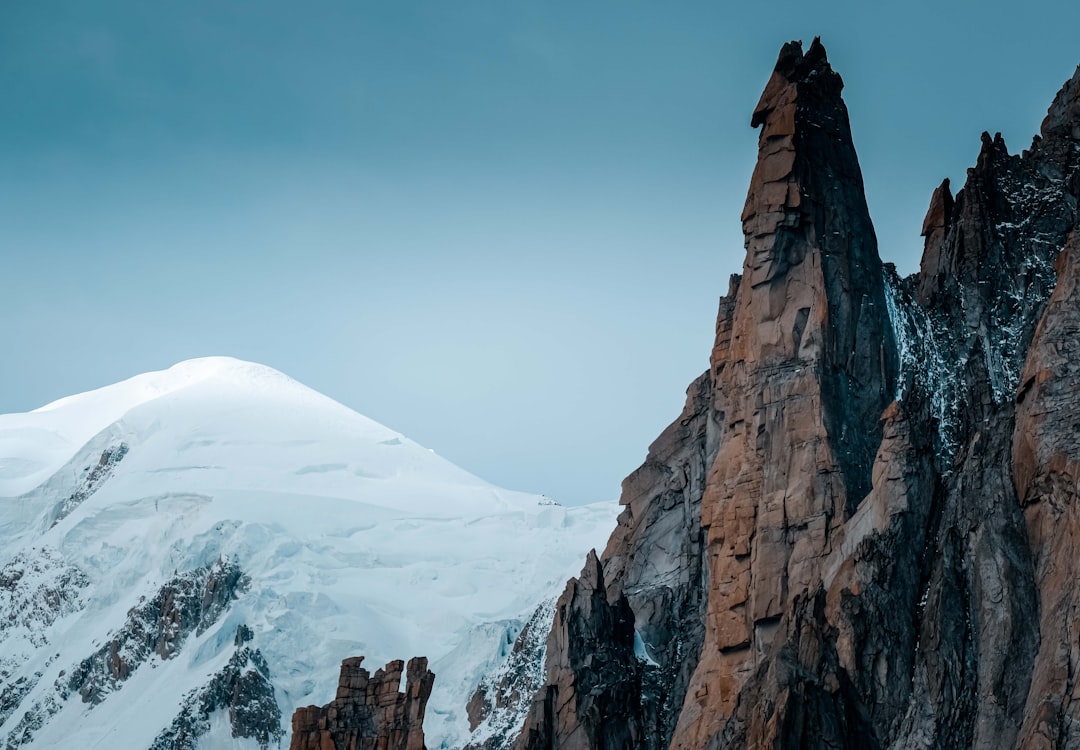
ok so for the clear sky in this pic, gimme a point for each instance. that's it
(498, 227)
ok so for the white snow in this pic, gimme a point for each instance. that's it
(358, 541)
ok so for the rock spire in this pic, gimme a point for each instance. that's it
(856, 534)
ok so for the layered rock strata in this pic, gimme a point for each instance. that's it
(368, 713)
(858, 533)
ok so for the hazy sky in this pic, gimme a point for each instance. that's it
(498, 227)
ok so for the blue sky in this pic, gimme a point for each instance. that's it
(499, 227)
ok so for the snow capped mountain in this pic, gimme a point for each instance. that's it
(216, 530)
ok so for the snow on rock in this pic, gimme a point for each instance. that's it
(243, 690)
(36, 590)
(500, 703)
(350, 540)
(927, 365)
(189, 603)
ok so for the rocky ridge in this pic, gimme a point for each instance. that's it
(153, 631)
(189, 603)
(858, 534)
(243, 689)
(93, 477)
(369, 713)
(500, 702)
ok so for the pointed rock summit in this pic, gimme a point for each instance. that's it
(731, 520)
(800, 382)
(856, 534)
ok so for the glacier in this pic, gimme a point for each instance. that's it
(348, 539)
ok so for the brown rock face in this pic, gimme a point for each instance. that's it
(1046, 470)
(801, 381)
(368, 713)
(858, 534)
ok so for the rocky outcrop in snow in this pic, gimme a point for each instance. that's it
(243, 689)
(93, 477)
(37, 588)
(500, 703)
(187, 604)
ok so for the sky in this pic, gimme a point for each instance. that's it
(500, 228)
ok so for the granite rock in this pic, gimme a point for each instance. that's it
(858, 533)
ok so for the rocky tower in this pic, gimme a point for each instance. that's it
(799, 382)
(368, 712)
(857, 534)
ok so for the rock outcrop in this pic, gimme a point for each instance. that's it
(242, 690)
(369, 713)
(37, 588)
(503, 698)
(154, 631)
(92, 479)
(187, 604)
(593, 680)
(859, 532)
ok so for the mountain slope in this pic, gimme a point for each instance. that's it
(218, 521)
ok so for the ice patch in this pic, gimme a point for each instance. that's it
(925, 365)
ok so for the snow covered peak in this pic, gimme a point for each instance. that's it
(108, 404)
(238, 401)
(344, 538)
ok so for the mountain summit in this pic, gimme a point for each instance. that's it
(188, 552)
(858, 534)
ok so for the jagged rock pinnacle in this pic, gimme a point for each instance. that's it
(812, 556)
(368, 712)
(806, 198)
(775, 448)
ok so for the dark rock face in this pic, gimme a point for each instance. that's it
(594, 681)
(93, 477)
(368, 713)
(859, 533)
(243, 689)
(189, 603)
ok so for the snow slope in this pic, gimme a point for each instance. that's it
(353, 539)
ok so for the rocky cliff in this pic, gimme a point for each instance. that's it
(369, 712)
(859, 532)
